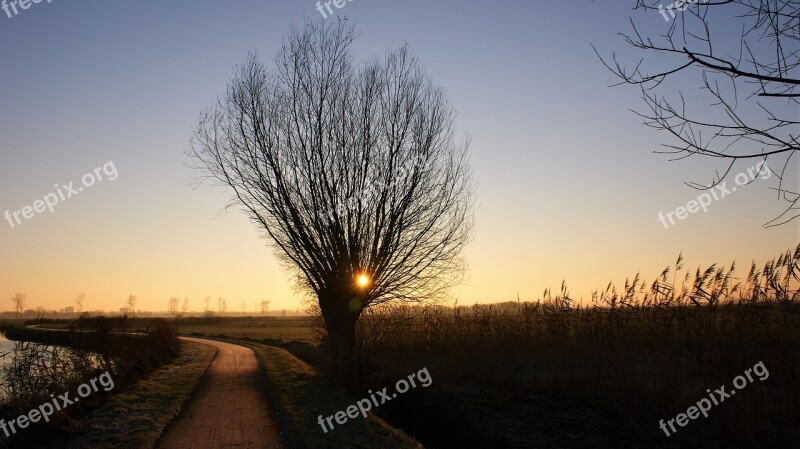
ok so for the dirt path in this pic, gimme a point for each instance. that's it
(228, 409)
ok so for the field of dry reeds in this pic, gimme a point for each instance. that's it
(553, 371)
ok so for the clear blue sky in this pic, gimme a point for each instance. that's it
(568, 185)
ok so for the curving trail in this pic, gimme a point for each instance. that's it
(228, 409)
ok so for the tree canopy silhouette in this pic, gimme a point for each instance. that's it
(351, 171)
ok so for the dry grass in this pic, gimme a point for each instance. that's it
(135, 418)
(299, 395)
(63, 360)
(638, 354)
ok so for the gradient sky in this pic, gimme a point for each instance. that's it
(568, 185)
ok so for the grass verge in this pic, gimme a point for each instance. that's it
(136, 417)
(299, 395)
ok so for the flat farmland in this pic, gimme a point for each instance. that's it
(257, 328)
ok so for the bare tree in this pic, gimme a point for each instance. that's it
(744, 54)
(185, 306)
(206, 304)
(173, 306)
(132, 303)
(19, 302)
(79, 300)
(222, 305)
(352, 171)
(264, 307)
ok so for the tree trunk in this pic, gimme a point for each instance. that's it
(341, 310)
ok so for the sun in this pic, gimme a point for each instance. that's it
(363, 280)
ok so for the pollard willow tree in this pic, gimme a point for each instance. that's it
(351, 171)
